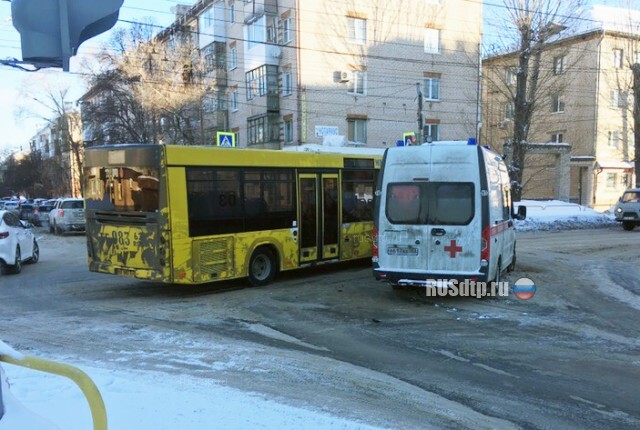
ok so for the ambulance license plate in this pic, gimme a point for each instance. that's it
(402, 250)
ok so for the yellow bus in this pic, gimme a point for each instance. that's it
(190, 215)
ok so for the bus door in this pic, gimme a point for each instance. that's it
(319, 216)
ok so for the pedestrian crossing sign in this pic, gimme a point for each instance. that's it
(226, 140)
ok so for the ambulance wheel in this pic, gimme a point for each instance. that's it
(511, 267)
(262, 267)
(628, 226)
(498, 277)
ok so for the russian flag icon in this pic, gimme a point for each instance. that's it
(524, 288)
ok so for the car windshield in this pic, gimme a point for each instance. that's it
(632, 196)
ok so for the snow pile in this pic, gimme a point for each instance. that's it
(151, 400)
(10, 352)
(558, 215)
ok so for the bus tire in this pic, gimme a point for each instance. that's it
(628, 226)
(262, 266)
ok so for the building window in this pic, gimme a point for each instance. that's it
(233, 52)
(357, 30)
(618, 99)
(357, 130)
(612, 181)
(558, 65)
(256, 33)
(272, 30)
(287, 83)
(557, 138)
(286, 31)
(207, 21)
(234, 100)
(432, 89)
(256, 81)
(431, 132)
(431, 41)
(614, 139)
(358, 83)
(288, 131)
(509, 111)
(625, 180)
(256, 130)
(511, 76)
(618, 58)
(262, 129)
(232, 13)
(557, 104)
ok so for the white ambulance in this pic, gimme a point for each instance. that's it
(443, 212)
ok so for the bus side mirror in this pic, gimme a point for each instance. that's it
(522, 213)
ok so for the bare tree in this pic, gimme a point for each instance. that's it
(533, 23)
(53, 103)
(150, 89)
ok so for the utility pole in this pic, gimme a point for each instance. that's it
(420, 120)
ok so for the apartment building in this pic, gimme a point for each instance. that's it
(300, 72)
(60, 146)
(582, 129)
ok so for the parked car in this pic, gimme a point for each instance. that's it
(42, 214)
(628, 209)
(17, 243)
(12, 206)
(27, 213)
(67, 215)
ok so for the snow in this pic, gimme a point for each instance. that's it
(151, 400)
(16, 416)
(559, 215)
(10, 352)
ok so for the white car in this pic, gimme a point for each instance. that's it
(67, 215)
(17, 243)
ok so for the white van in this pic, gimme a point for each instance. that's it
(443, 212)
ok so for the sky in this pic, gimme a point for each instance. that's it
(21, 116)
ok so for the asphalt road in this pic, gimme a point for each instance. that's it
(334, 339)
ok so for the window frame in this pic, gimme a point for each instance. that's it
(431, 35)
(359, 127)
(431, 87)
(356, 34)
(557, 104)
(358, 79)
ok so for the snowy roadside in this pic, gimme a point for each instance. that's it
(557, 215)
(153, 400)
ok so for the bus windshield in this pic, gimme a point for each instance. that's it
(122, 189)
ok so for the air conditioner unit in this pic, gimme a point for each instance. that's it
(340, 77)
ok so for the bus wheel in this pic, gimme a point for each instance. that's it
(262, 267)
(628, 226)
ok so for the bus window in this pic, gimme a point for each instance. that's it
(214, 203)
(357, 195)
(122, 189)
(269, 202)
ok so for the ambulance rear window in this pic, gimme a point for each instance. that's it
(434, 203)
